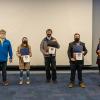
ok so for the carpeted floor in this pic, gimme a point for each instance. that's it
(40, 90)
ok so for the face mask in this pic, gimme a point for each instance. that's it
(76, 39)
(24, 42)
(48, 35)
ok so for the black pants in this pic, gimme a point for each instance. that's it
(76, 66)
(3, 66)
(50, 63)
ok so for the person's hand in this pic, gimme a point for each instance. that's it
(46, 53)
(10, 60)
(99, 54)
(98, 51)
(54, 40)
(19, 55)
(30, 55)
(83, 53)
(72, 59)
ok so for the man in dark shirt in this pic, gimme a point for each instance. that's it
(48, 44)
(76, 53)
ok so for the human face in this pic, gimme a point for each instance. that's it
(2, 35)
(49, 33)
(77, 37)
(25, 41)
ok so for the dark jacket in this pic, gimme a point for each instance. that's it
(98, 57)
(98, 48)
(45, 43)
(70, 49)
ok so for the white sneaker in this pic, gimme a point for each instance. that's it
(20, 82)
(28, 82)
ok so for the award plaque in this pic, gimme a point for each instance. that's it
(52, 50)
(26, 58)
(79, 56)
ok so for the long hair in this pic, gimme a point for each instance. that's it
(22, 44)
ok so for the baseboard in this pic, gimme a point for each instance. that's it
(58, 67)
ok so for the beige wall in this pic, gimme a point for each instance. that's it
(32, 17)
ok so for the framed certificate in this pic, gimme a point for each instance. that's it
(79, 56)
(52, 50)
(26, 58)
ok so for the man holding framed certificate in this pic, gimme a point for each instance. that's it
(76, 53)
(48, 47)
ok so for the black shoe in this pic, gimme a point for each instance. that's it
(48, 81)
(54, 81)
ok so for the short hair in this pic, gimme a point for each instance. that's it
(2, 30)
(49, 30)
(76, 34)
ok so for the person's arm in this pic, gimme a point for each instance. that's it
(84, 49)
(42, 47)
(97, 50)
(69, 51)
(57, 44)
(18, 52)
(10, 52)
(30, 52)
(54, 43)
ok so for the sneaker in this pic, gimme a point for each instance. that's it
(5, 83)
(71, 85)
(20, 82)
(82, 85)
(28, 82)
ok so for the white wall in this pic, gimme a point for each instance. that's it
(32, 17)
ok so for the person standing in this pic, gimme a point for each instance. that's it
(5, 49)
(76, 53)
(24, 53)
(98, 55)
(48, 47)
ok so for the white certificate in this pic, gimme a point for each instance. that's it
(79, 56)
(52, 50)
(26, 58)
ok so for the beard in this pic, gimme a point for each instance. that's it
(77, 39)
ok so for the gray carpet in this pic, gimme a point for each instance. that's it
(40, 90)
